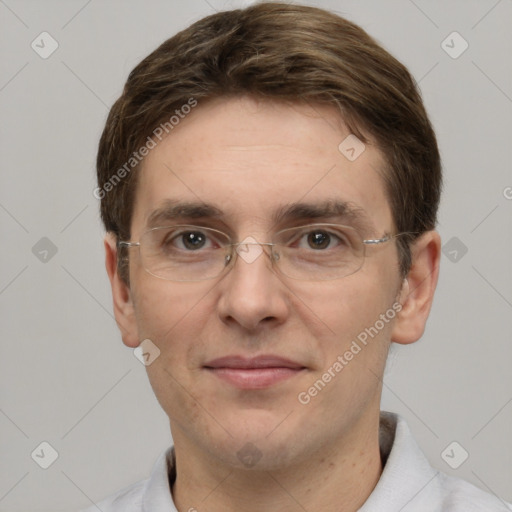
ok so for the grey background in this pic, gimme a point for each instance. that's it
(66, 377)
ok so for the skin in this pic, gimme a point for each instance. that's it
(250, 157)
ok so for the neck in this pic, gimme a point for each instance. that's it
(338, 477)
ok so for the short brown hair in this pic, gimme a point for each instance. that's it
(282, 52)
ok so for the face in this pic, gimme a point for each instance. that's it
(250, 160)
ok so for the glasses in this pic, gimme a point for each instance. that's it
(314, 252)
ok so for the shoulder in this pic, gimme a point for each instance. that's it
(460, 496)
(128, 499)
(409, 482)
(152, 494)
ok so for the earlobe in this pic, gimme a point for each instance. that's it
(417, 292)
(121, 295)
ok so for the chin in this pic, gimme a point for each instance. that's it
(258, 455)
(259, 440)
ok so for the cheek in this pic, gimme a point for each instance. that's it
(364, 324)
(164, 309)
(340, 310)
(353, 340)
(353, 358)
(178, 397)
(172, 317)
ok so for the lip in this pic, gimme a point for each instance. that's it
(253, 373)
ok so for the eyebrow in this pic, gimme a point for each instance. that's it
(334, 209)
(174, 210)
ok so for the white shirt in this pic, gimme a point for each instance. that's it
(407, 484)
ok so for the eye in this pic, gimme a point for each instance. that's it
(321, 239)
(318, 240)
(186, 240)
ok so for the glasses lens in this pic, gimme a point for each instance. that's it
(315, 252)
(319, 252)
(184, 252)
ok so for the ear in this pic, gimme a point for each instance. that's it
(418, 289)
(123, 305)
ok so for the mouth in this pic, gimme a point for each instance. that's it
(254, 373)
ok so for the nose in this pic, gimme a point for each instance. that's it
(252, 294)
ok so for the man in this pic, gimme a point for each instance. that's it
(269, 182)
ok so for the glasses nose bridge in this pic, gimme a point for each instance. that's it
(237, 244)
(234, 251)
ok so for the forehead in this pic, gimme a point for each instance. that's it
(251, 160)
